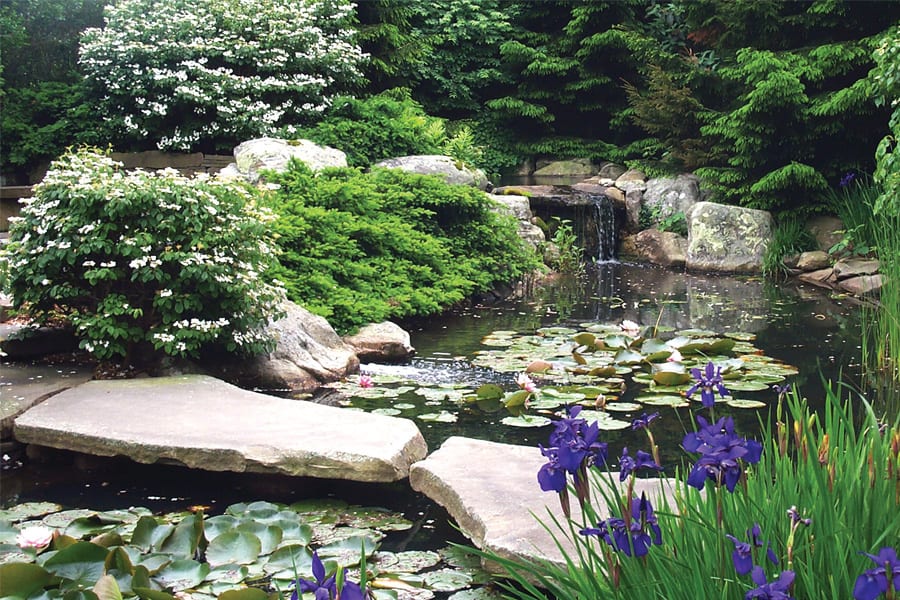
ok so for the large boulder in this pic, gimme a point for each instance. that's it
(520, 208)
(827, 231)
(727, 238)
(579, 167)
(448, 167)
(308, 354)
(662, 248)
(668, 196)
(381, 342)
(274, 154)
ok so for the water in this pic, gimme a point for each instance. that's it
(803, 326)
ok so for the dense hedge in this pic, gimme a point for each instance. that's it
(365, 247)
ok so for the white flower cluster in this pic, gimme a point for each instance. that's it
(233, 68)
(201, 324)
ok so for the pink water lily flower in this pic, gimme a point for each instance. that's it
(35, 536)
(675, 356)
(525, 382)
(365, 381)
(630, 328)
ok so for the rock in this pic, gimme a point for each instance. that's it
(669, 196)
(272, 153)
(381, 342)
(204, 423)
(491, 491)
(822, 278)
(727, 238)
(855, 267)
(6, 306)
(610, 170)
(308, 353)
(520, 208)
(19, 342)
(827, 231)
(451, 169)
(812, 261)
(562, 168)
(25, 385)
(662, 248)
(632, 179)
(634, 200)
(616, 195)
(863, 285)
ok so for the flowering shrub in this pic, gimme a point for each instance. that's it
(205, 74)
(142, 262)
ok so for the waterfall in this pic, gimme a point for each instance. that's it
(604, 219)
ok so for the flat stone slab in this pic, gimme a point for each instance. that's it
(24, 385)
(205, 423)
(491, 491)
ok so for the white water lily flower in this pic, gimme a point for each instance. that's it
(630, 328)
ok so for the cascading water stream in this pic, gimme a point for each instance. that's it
(604, 219)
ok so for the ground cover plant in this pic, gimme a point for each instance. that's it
(359, 248)
(143, 265)
(808, 511)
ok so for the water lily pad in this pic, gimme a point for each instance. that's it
(735, 403)
(404, 406)
(447, 580)
(482, 593)
(457, 556)
(604, 420)
(376, 518)
(237, 547)
(538, 366)
(670, 374)
(623, 406)
(406, 562)
(441, 417)
(346, 552)
(526, 421)
(747, 385)
(180, 575)
(489, 391)
(388, 412)
(664, 400)
(28, 510)
(295, 557)
(556, 331)
(61, 519)
(230, 573)
(741, 336)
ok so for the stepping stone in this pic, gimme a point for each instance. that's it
(204, 423)
(23, 385)
(491, 491)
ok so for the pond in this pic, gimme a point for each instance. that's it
(802, 334)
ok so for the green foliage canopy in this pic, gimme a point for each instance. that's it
(364, 247)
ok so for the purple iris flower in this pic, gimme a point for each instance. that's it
(776, 590)
(351, 591)
(323, 588)
(642, 532)
(742, 557)
(551, 477)
(722, 453)
(847, 179)
(643, 422)
(881, 579)
(709, 378)
(630, 465)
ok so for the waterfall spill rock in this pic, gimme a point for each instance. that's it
(204, 423)
(274, 154)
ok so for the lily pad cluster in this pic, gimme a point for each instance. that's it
(253, 551)
(599, 364)
(611, 369)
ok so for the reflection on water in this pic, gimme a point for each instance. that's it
(802, 326)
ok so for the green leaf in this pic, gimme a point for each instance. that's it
(516, 398)
(106, 588)
(244, 594)
(240, 547)
(489, 391)
(21, 580)
(181, 575)
(82, 563)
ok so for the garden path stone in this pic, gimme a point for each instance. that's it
(491, 491)
(204, 423)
